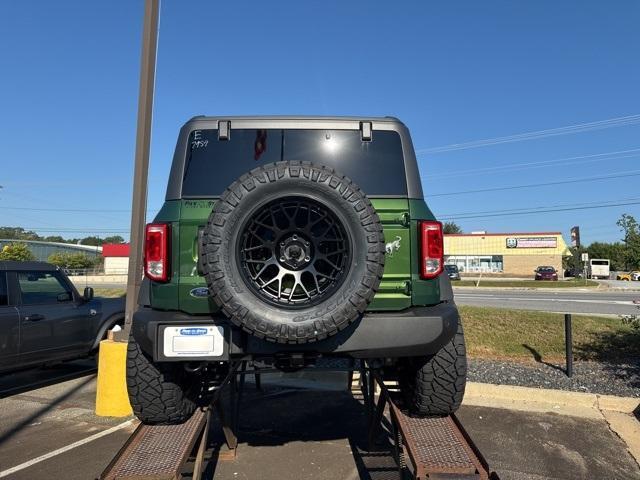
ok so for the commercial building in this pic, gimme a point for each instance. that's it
(505, 254)
(116, 258)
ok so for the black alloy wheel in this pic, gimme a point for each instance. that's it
(294, 252)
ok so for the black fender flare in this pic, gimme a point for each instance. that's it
(106, 325)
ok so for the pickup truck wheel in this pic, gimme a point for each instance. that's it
(434, 386)
(293, 252)
(158, 393)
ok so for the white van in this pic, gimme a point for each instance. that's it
(599, 268)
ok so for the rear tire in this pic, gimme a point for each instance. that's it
(434, 386)
(158, 393)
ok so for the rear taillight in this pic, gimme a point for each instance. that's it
(156, 252)
(431, 248)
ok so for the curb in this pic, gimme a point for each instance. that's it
(546, 399)
(529, 289)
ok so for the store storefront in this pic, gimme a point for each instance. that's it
(507, 254)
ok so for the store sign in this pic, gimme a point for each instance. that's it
(532, 242)
(575, 236)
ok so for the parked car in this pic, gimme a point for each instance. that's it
(288, 228)
(452, 271)
(43, 318)
(628, 276)
(546, 273)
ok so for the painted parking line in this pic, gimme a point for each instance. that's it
(66, 448)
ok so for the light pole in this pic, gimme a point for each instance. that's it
(111, 391)
(141, 168)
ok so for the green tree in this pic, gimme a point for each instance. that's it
(114, 239)
(16, 251)
(55, 238)
(615, 252)
(629, 226)
(92, 240)
(18, 233)
(451, 227)
(71, 260)
(574, 262)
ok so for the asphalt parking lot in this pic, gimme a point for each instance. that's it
(289, 433)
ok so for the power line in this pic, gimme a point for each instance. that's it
(550, 132)
(74, 230)
(539, 211)
(581, 159)
(631, 173)
(72, 210)
(561, 205)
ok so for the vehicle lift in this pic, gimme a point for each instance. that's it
(423, 448)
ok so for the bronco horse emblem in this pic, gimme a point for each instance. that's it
(393, 246)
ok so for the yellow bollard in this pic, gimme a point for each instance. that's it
(111, 395)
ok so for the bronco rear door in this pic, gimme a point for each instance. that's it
(373, 159)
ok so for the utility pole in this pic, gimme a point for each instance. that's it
(141, 168)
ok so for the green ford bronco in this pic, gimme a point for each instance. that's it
(283, 240)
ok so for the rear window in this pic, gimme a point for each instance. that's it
(599, 262)
(377, 166)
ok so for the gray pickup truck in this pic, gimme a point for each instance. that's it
(43, 318)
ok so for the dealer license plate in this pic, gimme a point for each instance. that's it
(193, 341)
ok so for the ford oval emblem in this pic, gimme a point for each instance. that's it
(199, 292)
(193, 331)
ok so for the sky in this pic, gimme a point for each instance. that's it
(465, 77)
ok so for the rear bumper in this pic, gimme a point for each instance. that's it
(416, 331)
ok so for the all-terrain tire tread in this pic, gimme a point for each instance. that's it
(438, 382)
(156, 394)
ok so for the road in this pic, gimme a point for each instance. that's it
(595, 302)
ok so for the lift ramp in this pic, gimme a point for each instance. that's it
(424, 448)
(157, 452)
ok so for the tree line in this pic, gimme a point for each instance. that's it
(18, 251)
(19, 233)
(623, 255)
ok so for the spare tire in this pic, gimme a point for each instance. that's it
(293, 252)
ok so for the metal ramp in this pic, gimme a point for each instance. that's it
(159, 452)
(423, 448)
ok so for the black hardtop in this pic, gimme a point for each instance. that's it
(27, 266)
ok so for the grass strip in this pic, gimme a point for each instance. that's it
(529, 335)
(109, 292)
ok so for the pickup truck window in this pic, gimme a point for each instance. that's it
(39, 288)
(4, 294)
(377, 166)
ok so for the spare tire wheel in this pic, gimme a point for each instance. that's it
(293, 252)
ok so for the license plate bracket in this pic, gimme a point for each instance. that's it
(192, 342)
